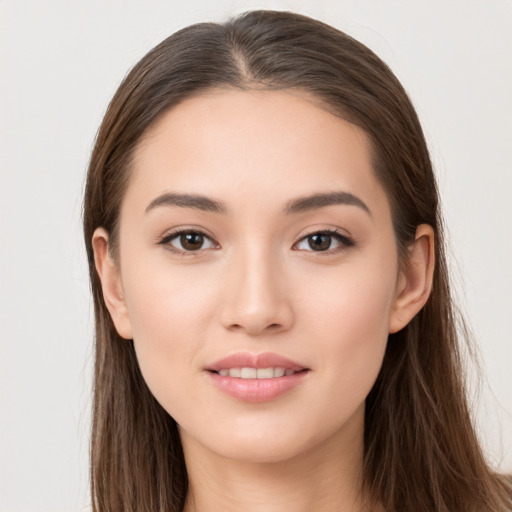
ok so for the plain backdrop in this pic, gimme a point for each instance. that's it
(60, 63)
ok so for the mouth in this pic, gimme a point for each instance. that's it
(257, 373)
(265, 365)
(256, 377)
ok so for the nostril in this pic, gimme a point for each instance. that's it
(255, 329)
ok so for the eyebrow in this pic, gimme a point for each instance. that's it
(316, 201)
(302, 204)
(197, 202)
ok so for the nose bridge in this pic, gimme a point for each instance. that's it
(255, 298)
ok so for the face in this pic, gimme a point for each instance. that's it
(256, 241)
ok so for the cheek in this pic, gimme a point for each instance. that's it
(349, 318)
(168, 305)
(357, 298)
(169, 312)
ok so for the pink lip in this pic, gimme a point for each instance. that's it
(263, 360)
(256, 390)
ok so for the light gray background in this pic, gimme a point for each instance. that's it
(60, 63)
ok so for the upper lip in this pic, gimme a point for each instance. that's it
(262, 360)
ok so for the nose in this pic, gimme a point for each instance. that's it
(256, 301)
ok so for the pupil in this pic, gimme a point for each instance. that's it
(191, 241)
(319, 242)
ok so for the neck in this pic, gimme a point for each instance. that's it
(327, 478)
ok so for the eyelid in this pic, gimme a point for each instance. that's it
(345, 241)
(166, 238)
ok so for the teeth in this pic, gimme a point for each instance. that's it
(265, 373)
(255, 373)
(279, 372)
(249, 373)
(235, 372)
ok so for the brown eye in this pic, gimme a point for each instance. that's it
(187, 241)
(319, 242)
(323, 241)
(191, 241)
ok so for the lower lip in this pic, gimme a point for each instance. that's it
(257, 390)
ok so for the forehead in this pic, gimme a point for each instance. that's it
(268, 144)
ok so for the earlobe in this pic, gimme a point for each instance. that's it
(110, 278)
(415, 280)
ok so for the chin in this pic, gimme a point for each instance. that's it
(278, 441)
(259, 451)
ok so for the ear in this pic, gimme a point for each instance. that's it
(415, 280)
(110, 278)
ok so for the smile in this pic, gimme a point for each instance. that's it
(256, 377)
(255, 373)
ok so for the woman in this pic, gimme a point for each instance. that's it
(274, 328)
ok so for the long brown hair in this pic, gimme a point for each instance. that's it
(421, 452)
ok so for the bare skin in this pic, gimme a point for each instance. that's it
(330, 476)
(249, 266)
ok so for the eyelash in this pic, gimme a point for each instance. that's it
(344, 241)
(166, 241)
